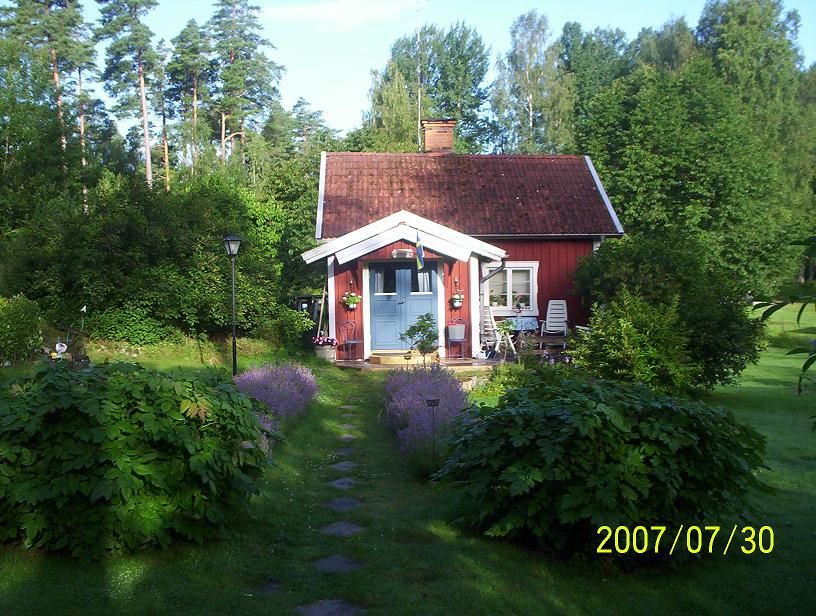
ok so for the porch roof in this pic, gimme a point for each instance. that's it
(404, 225)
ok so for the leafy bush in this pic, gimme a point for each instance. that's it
(285, 327)
(551, 463)
(285, 390)
(411, 419)
(118, 456)
(19, 329)
(712, 306)
(131, 323)
(633, 341)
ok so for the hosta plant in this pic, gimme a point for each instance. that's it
(119, 456)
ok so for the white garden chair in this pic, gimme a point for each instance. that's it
(556, 322)
(491, 336)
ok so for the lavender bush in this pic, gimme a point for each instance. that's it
(410, 418)
(286, 390)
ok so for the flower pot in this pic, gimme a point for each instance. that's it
(325, 351)
(456, 332)
(351, 306)
(456, 303)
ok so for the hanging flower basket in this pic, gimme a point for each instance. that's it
(457, 300)
(350, 300)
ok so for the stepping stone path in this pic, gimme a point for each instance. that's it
(349, 415)
(344, 483)
(343, 504)
(342, 529)
(339, 563)
(346, 465)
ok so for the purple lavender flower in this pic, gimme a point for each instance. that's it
(409, 416)
(286, 390)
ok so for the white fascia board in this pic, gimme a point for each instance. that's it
(604, 196)
(440, 308)
(409, 234)
(425, 226)
(475, 307)
(366, 312)
(332, 295)
(321, 192)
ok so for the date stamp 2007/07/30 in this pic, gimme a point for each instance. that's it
(692, 539)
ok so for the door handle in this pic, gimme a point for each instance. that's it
(402, 301)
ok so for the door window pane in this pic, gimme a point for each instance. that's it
(420, 281)
(385, 280)
(497, 289)
(521, 282)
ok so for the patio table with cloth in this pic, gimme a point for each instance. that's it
(524, 324)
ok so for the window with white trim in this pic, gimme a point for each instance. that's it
(513, 290)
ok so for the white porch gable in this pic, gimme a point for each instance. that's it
(404, 225)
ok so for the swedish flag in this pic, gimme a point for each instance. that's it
(420, 253)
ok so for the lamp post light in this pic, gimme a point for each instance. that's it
(232, 244)
(433, 403)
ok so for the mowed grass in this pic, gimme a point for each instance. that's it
(417, 560)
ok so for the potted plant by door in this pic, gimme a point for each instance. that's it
(325, 346)
(350, 300)
(457, 299)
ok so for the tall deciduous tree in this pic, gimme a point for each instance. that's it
(669, 47)
(190, 74)
(530, 101)
(246, 80)
(129, 60)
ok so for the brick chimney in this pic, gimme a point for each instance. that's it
(438, 135)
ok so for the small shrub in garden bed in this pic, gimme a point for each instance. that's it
(552, 462)
(411, 419)
(118, 456)
(20, 332)
(284, 389)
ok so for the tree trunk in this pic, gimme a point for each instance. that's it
(145, 128)
(223, 137)
(82, 140)
(195, 121)
(166, 152)
(52, 54)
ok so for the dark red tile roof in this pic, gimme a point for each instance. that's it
(473, 194)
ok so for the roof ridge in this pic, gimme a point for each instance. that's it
(435, 155)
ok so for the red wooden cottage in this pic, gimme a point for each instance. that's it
(532, 216)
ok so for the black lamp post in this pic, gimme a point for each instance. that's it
(232, 244)
(433, 403)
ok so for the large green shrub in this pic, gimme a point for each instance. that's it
(633, 341)
(551, 463)
(118, 456)
(20, 332)
(131, 323)
(712, 306)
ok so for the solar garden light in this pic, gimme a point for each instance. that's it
(433, 403)
(232, 244)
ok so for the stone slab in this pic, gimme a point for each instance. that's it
(346, 451)
(344, 503)
(344, 483)
(348, 407)
(337, 564)
(346, 465)
(348, 426)
(349, 415)
(342, 529)
(347, 437)
(330, 607)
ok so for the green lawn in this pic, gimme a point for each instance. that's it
(417, 561)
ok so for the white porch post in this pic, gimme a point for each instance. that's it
(475, 307)
(440, 306)
(366, 313)
(332, 324)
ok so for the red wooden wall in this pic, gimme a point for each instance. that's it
(348, 277)
(557, 259)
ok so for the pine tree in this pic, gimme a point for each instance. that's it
(130, 58)
(158, 91)
(246, 79)
(189, 76)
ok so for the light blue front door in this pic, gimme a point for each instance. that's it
(399, 294)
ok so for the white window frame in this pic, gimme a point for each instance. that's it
(505, 311)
